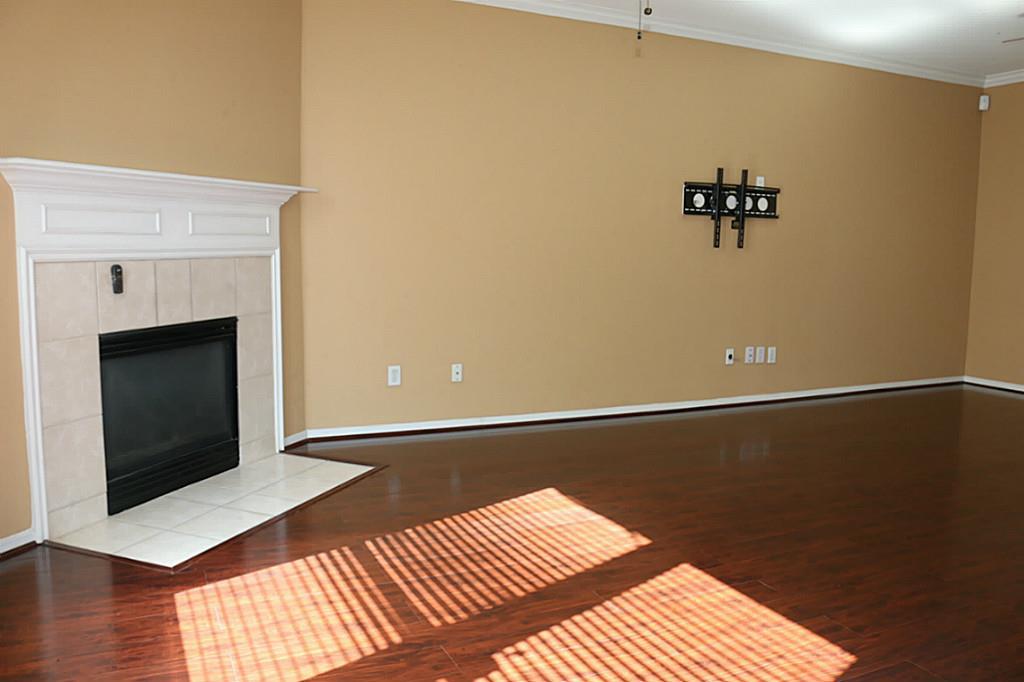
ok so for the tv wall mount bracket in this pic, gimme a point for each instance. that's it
(741, 202)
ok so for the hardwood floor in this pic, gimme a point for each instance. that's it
(870, 538)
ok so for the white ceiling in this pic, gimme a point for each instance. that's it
(951, 40)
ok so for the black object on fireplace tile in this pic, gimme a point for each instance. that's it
(170, 408)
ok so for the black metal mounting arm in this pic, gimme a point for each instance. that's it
(741, 202)
(716, 203)
(739, 223)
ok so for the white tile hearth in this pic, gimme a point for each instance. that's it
(165, 512)
(263, 504)
(209, 493)
(168, 548)
(223, 523)
(108, 536)
(297, 488)
(185, 523)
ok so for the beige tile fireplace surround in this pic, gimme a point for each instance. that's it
(192, 248)
(75, 303)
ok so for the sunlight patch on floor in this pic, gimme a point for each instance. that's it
(288, 622)
(465, 564)
(680, 625)
(319, 613)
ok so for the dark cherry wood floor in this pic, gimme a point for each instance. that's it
(869, 538)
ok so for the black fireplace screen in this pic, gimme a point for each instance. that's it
(170, 408)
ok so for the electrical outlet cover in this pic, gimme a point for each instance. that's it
(394, 375)
(748, 355)
(760, 355)
(772, 355)
(730, 356)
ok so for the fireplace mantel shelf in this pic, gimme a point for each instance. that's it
(56, 176)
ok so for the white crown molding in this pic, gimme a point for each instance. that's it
(618, 411)
(1005, 78)
(628, 20)
(60, 176)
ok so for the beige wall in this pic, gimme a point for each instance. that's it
(196, 86)
(997, 297)
(15, 510)
(502, 189)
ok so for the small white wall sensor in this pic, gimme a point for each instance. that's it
(984, 102)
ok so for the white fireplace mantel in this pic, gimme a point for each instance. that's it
(78, 212)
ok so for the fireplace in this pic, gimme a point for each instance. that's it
(170, 407)
(190, 249)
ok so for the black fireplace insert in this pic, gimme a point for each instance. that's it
(170, 408)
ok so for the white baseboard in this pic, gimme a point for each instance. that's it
(992, 383)
(17, 540)
(624, 410)
(295, 438)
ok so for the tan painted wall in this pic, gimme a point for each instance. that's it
(502, 189)
(997, 298)
(15, 510)
(195, 86)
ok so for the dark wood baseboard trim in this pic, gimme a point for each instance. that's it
(291, 449)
